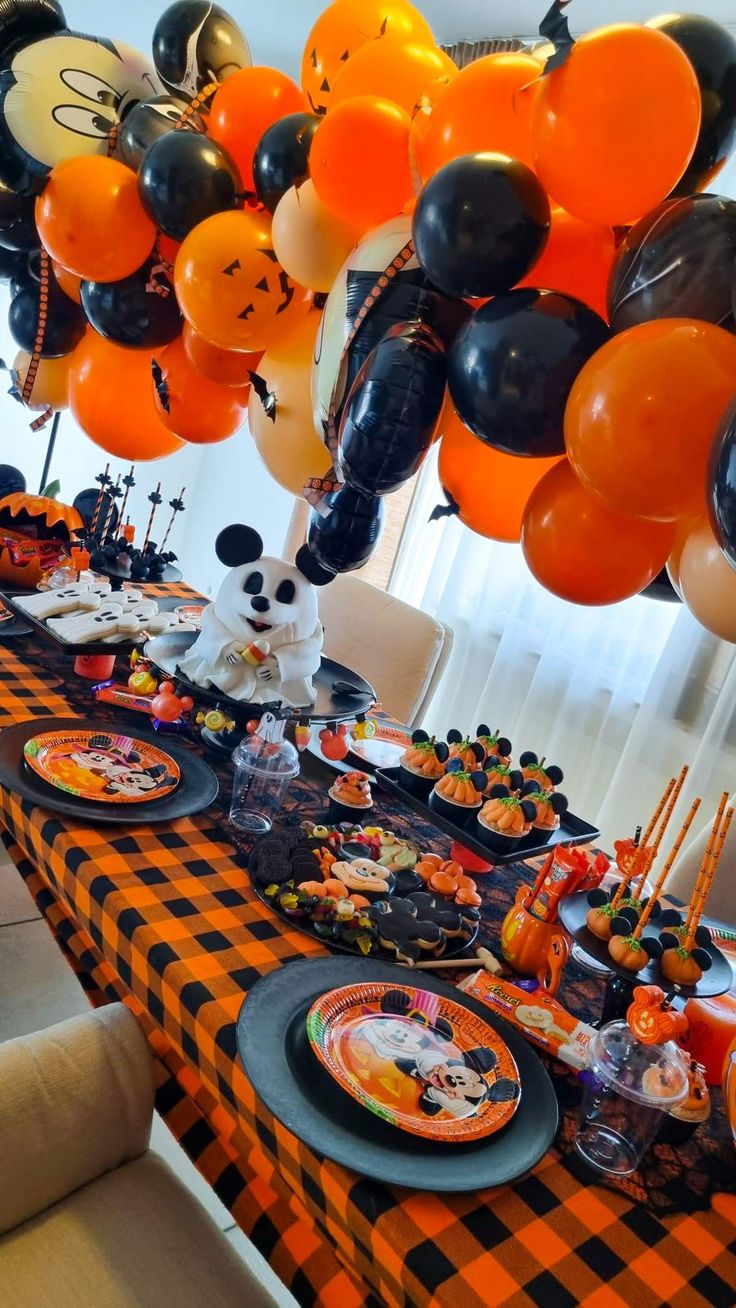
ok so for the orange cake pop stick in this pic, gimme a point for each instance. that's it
(666, 869)
(708, 880)
(707, 856)
(657, 813)
(675, 795)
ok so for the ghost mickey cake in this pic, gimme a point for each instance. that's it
(261, 638)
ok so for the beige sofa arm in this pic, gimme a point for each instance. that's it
(76, 1100)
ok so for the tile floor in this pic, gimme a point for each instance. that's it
(37, 989)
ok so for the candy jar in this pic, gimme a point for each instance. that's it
(265, 765)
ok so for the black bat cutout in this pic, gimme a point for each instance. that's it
(162, 389)
(267, 397)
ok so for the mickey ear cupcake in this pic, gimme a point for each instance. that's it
(549, 807)
(422, 764)
(350, 797)
(494, 743)
(458, 795)
(505, 820)
(536, 769)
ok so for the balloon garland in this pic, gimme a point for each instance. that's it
(524, 260)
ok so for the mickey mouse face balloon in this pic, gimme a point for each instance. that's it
(231, 287)
(196, 43)
(61, 96)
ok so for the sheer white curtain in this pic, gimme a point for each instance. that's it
(619, 696)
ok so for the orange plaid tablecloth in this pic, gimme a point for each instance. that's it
(166, 920)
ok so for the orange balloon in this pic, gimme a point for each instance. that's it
(394, 69)
(51, 384)
(708, 583)
(111, 396)
(359, 161)
(490, 489)
(230, 285)
(167, 247)
(641, 415)
(615, 125)
(580, 550)
(342, 29)
(225, 367)
(70, 284)
(288, 444)
(310, 241)
(195, 409)
(482, 109)
(577, 259)
(91, 221)
(247, 103)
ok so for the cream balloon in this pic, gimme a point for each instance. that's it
(286, 441)
(51, 383)
(309, 241)
(708, 583)
(353, 282)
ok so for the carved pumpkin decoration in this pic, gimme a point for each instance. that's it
(26, 518)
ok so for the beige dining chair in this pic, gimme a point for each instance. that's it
(89, 1216)
(400, 650)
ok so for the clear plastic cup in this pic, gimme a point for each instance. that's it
(628, 1089)
(264, 771)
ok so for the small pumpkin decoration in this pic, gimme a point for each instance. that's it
(24, 518)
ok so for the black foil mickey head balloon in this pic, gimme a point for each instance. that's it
(721, 484)
(345, 529)
(196, 43)
(390, 417)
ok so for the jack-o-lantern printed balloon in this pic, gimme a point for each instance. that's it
(231, 286)
(343, 28)
(61, 97)
(196, 43)
(139, 311)
(149, 120)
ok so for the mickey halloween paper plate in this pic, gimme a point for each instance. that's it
(94, 765)
(420, 1061)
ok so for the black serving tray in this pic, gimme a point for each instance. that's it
(571, 831)
(30, 624)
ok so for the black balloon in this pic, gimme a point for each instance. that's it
(11, 479)
(23, 21)
(345, 529)
(20, 234)
(86, 502)
(480, 225)
(721, 484)
(513, 365)
(392, 411)
(132, 311)
(65, 320)
(147, 121)
(661, 589)
(676, 262)
(195, 43)
(185, 178)
(12, 264)
(711, 50)
(281, 158)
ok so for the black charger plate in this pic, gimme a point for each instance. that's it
(285, 1073)
(571, 831)
(197, 788)
(331, 703)
(573, 911)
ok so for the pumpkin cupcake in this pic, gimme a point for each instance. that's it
(536, 769)
(494, 744)
(499, 773)
(470, 752)
(350, 797)
(423, 764)
(457, 795)
(505, 819)
(549, 809)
